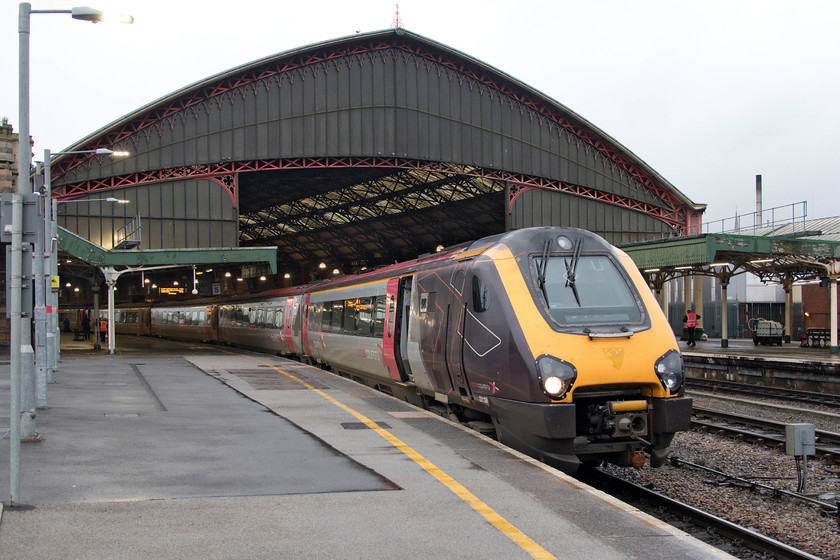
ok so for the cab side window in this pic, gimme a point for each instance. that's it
(480, 295)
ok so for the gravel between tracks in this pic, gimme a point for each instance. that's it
(784, 519)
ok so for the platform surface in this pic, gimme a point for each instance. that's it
(173, 450)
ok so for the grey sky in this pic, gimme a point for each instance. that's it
(708, 93)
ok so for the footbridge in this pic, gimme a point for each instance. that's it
(115, 262)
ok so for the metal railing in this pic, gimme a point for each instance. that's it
(128, 236)
(763, 223)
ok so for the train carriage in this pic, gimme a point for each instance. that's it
(185, 322)
(133, 320)
(255, 324)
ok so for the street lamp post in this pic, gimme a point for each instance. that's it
(20, 345)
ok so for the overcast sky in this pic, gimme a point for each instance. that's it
(708, 93)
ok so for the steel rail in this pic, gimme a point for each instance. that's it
(825, 438)
(717, 525)
(833, 509)
(794, 395)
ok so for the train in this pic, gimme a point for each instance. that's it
(547, 339)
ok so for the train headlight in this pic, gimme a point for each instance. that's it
(669, 369)
(556, 376)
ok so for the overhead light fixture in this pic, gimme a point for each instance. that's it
(239, 279)
(262, 278)
(227, 274)
(683, 268)
(439, 248)
(720, 264)
(336, 271)
(322, 266)
(652, 270)
(287, 276)
(759, 261)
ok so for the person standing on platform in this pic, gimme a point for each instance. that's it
(691, 319)
(86, 325)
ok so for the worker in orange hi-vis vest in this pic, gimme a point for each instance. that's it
(103, 328)
(691, 319)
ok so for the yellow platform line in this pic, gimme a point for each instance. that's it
(507, 529)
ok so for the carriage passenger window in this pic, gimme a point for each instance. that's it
(379, 316)
(392, 311)
(336, 314)
(349, 323)
(326, 316)
(278, 318)
(261, 318)
(364, 317)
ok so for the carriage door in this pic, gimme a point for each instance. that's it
(287, 326)
(455, 339)
(390, 338)
(305, 326)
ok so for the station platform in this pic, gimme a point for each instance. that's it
(793, 351)
(171, 450)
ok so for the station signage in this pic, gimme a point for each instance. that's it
(171, 291)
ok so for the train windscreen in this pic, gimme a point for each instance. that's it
(586, 290)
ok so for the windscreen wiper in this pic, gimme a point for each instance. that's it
(571, 271)
(542, 268)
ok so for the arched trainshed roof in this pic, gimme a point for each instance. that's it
(379, 145)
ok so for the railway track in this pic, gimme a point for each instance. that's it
(830, 509)
(789, 395)
(712, 529)
(755, 429)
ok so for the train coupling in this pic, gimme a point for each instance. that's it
(620, 418)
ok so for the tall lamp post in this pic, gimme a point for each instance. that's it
(20, 343)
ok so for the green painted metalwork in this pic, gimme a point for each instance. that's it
(95, 255)
(692, 250)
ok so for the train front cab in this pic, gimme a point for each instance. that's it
(593, 369)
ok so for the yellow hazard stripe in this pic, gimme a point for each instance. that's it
(507, 529)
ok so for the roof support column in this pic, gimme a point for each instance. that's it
(698, 299)
(788, 286)
(724, 314)
(832, 289)
(686, 299)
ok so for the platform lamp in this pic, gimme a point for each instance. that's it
(20, 342)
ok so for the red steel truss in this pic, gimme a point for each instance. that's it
(675, 213)
(225, 175)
